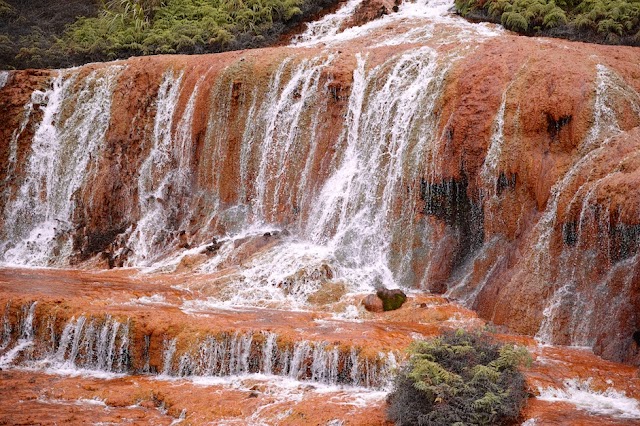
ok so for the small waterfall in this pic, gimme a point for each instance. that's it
(37, 97)
(100, 344)
(25, 339)
(6, 328)
(266, 353)
(283, 114)
(4, 78)
(610, 88)
(167, 355)
(327, 26)
(569, 301)
(360, 212)
(154, 178)
(66, 144)
(491, 167)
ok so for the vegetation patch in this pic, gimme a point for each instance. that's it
(597, 21)
(66, 33)
(459, 379)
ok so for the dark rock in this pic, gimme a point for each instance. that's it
(212, 248)
(391, 299)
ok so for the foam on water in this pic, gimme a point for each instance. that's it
(609, 402)
(153, 300)
(328, 25)
(421, 15)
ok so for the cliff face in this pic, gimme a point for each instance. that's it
(414, 151)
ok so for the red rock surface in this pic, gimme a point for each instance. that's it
(47, 397)
(548, 114)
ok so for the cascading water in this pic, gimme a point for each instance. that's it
(327, 26)
(263, 353)
(4, 78)
(387, 136)
(349, 220)
(105, 344)
(155, 203)
(330, 162)
(68, 141)
(577, 260)
(25, 339)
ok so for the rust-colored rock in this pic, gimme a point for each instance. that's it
(526, 193)
(373, 303)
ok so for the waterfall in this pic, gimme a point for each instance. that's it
(328, 25)
(91, 344)
(100, 344)
(4, 78)
(68, 141)
(352, 159)
(569, 299)
(238, 354)
(154, 182)
(347, 210)
(26, 335)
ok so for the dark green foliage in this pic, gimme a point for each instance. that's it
(391, 299)
(80, 31)
(28, 28)
(600, 21)
(459, 379)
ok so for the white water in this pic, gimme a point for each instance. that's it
(611, 92)
(609, 402)
(351, 224)
(155, 206)
(240, 354)
(327, 26)
(87, 346)
(4, 78)
(66, 144)
(417, 20)
(26, 335)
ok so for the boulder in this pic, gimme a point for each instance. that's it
(373, 303)
(391, 299)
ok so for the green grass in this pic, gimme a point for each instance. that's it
(114, 29)
(600, 21)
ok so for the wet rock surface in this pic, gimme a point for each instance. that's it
(50, 392)
(418, 150)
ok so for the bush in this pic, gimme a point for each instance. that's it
(62, 33)
(459, 379)
(600, 21)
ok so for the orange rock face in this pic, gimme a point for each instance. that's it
(152, 385)
(498, 169)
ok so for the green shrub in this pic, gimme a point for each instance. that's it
(459, 379)
(603, 21)
(61, 33)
